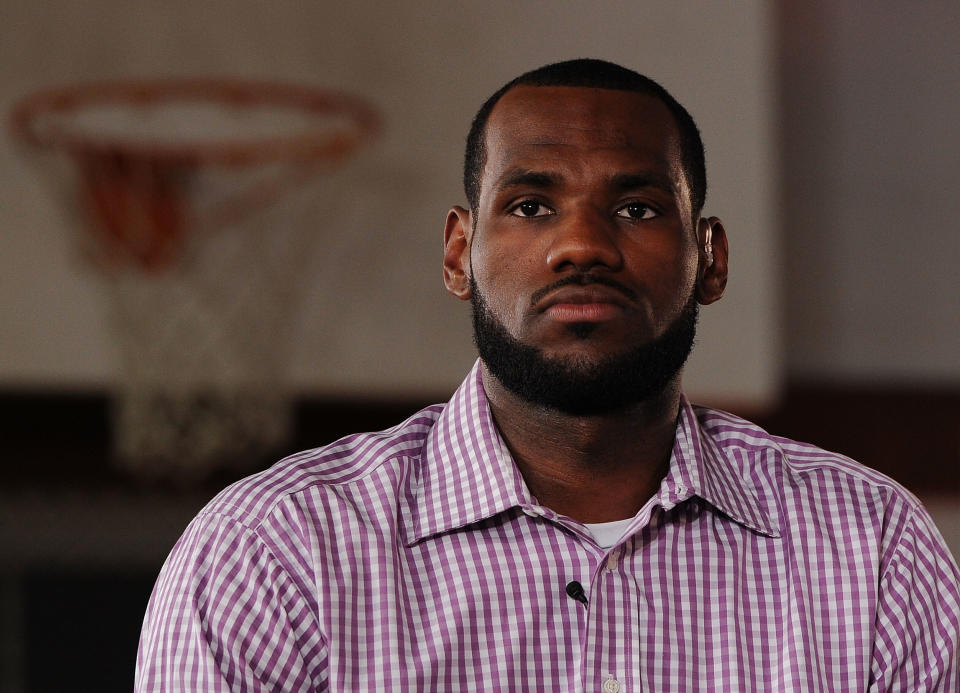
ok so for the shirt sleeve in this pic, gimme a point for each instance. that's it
(226, 615)
(917, 641)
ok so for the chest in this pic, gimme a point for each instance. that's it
(690, 602)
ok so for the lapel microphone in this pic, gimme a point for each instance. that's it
(575, 591)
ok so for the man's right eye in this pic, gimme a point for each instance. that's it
(530, 208)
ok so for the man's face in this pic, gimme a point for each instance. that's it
(583, 246)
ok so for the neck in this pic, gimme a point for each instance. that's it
(590, 468)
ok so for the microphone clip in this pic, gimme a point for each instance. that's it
(575, 591)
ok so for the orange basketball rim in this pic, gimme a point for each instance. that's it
(138, 145)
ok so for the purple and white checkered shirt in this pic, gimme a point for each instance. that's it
(416, 559)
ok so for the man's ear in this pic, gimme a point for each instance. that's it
(714, 255)
(456, 252)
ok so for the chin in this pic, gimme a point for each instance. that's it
(592, 373)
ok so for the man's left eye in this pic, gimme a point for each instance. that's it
(636, 210)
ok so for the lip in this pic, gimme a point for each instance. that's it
(594, 303)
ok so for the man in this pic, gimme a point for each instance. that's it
(568, 521)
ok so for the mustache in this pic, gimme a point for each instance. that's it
(583, 279)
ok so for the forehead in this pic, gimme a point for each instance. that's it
(573, 124)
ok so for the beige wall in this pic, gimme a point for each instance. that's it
(871, 106)
(871, 151)
(377, 319)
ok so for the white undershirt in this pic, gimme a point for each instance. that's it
(607, 534)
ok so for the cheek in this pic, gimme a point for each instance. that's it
(687, 271)
(662, 261)
(506, 277)
(664, 272)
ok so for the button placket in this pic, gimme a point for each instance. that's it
(613, 593)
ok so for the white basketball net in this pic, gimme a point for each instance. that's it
(204, 343)
(201, 215)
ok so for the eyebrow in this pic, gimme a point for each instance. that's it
(646, 179)
(622, 182)
(527, 177)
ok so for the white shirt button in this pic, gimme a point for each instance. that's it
(612, 560)
(611, 685)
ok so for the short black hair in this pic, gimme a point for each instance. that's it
(589, 72)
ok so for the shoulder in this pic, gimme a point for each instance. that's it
(338, 467)
(828, 504)
(800, 464)
(812, 491)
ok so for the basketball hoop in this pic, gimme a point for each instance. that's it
(194, 196)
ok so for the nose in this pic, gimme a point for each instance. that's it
(584, 240)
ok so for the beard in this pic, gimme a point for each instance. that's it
(578, 385)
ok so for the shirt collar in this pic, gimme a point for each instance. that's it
(698, 467)
(466, 473)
